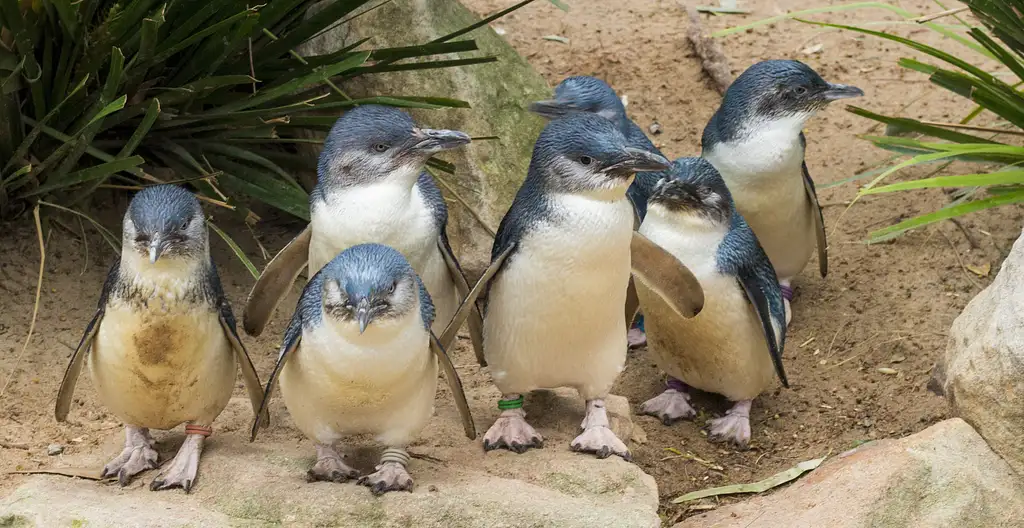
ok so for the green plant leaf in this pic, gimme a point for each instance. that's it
(85, 175)
(1006, 177)
(946, 213)
(235, 249)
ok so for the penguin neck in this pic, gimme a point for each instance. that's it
(381, 332)
(169, 277)
(332, 183)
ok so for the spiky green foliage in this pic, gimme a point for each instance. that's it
(114, 93)
(1000, 36)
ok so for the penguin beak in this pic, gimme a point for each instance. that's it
(156, 246)
(363, 315)
(551, 109)
(841, 91)
(637, 160)
(429, 141)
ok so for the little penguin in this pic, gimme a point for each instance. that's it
(162, 347)
(583, 93)
(359, 357)
(733, 347)
(372, 187)
(562, 260)
(755, 140)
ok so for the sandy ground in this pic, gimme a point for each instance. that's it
(887, 305)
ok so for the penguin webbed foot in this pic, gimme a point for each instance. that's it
(389, 476)
(330, 466)
(597, 437)
(137, 456)
(511, 431)
(601, 441)
(734, 427)
(181, 473)
(669, 406)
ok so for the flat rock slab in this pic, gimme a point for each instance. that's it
(263, 483)
(944, 476)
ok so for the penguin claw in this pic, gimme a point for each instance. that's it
(137, 456)
(733, 428)
(330, 469)
(602, 442)
(636, 338)
(389, 476)
(511, 431)
(669, 406)
(183, 469)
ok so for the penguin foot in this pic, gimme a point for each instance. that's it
(183, 469)
(389, 476)
(601, 441)
(137, 456)
(669, 406)
(330, 466)
(734, 427)
(636, 338)
(510, 431)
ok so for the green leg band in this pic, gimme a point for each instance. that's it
(511, 404)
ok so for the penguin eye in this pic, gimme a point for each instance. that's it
(800, 90)
(380, 147)
(392, 288)
(586, 160)
(183, 226)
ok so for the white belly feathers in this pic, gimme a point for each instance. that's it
(398, 218)
(722, 349)
(765, 176)
(163, 364)
(339, 383)
(554, 315)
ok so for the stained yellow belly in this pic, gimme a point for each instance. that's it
(159, 370)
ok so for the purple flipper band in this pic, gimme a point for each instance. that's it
(787, 292)
(675, 384)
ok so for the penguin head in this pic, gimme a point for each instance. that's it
(368, 285)
(372, 142)
(583, 152)
(583, 93)
(779, 89)
(165, 222)
(694, 192)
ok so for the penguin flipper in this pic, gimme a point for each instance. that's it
(660, 271)
(448, 336)
(476, 320)
(275, 281)
(249, 375)
(292, 337)
(755, 294)
(67, 385)
(819, 222)
(456, 386)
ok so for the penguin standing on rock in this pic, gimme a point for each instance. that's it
(371, 188)
(755, 140)
(359, 357)
(734, 346)
(162, 347)
(561, 261)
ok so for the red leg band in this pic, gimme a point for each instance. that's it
(204, 430)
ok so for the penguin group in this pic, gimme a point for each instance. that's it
(604, 232)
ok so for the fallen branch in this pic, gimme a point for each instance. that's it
(712, 60)
(773, 481)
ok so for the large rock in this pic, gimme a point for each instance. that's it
(263, 484)
(984, 363)
(941, 477)
(489, 172)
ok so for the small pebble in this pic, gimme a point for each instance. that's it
(54, 449)
(432, 488)
(887, 370)
(898, 359)
(655, 128)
